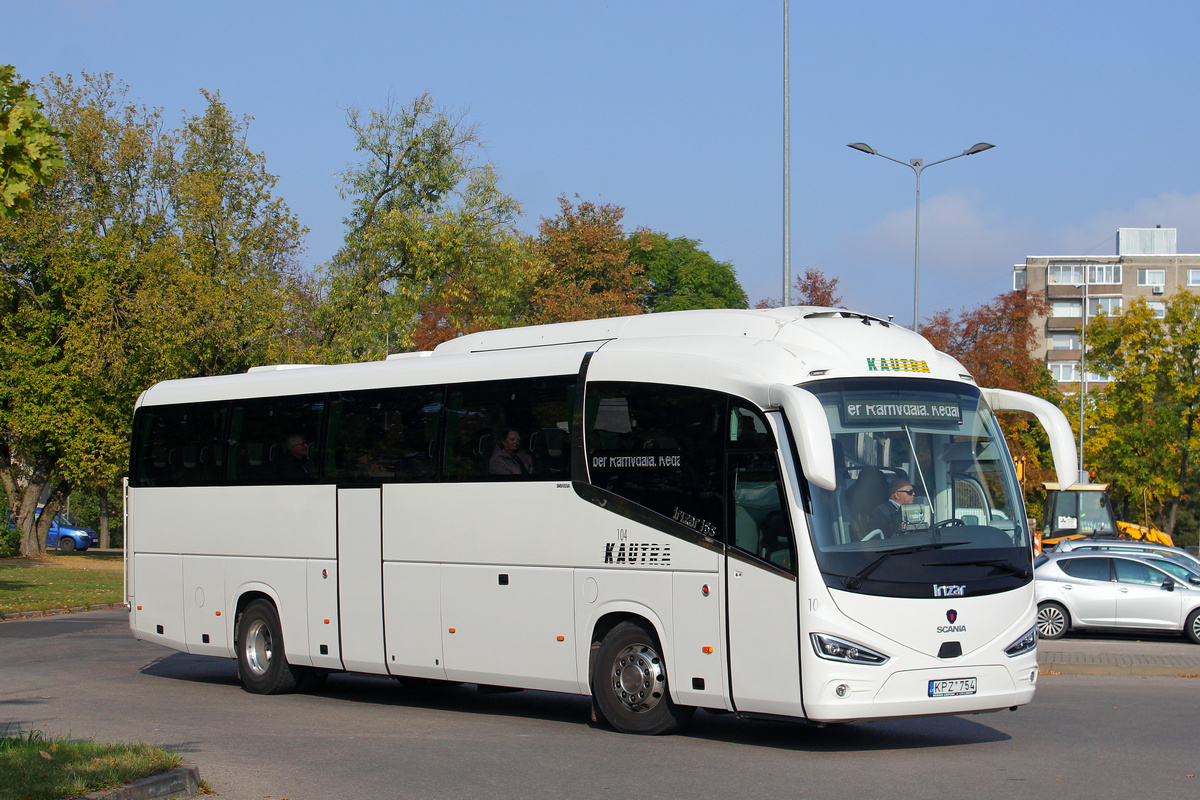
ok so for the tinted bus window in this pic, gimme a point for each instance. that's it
(509, 430)
(275, 440)
(661, 447)
(383, 436)
(179, 445)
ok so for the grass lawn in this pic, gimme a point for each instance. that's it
(32, 765)
(60, 580)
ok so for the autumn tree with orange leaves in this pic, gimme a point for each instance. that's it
(994, 342)
(588, 273)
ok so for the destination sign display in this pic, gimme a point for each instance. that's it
(858, 410)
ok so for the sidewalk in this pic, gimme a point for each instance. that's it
(1154, 656)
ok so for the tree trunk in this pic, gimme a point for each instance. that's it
(102, 493)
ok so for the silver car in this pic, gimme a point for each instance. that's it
(1128, 546)
(1114, 589)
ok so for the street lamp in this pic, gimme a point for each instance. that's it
(1083, 476)
(918, 165)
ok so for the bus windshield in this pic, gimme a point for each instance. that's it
(927, 499)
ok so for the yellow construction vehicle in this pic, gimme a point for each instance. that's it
(1084, 511)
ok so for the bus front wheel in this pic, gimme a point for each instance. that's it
(262, 664)
(630, 683)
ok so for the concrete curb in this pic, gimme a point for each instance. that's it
(180, 782)
(51, 612)
(1140, 664)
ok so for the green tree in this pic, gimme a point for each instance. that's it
(682, 276)
(589, 271)
(151, 255)
(1145, 419)
(431, 247)
(29, 144)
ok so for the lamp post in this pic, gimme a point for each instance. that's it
(1083, 476)
(918, 166)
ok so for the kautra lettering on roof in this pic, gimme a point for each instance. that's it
(896, 365)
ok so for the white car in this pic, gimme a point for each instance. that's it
(1116, 590)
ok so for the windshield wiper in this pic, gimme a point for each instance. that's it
(1020, 572)
(855, 581)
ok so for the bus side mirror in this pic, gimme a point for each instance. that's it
(1062, 439)
(808, 424)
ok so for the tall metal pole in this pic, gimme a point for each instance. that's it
(1083, 476)
(787, 168)
(918, 166)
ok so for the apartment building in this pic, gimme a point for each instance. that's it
(1145, 265)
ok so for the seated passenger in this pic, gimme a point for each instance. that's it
(508, 458)
(293, 465)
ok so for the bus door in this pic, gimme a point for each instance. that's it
(360, 578)
(762, 596)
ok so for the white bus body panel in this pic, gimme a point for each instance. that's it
(412, 619)
(509, 626)
(323, 629)
(156, 600)
(763, 645)
(360, 579)
(984, 625)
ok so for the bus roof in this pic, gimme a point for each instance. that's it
(760, 346)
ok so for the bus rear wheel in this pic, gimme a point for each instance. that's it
(262, 664)
(629, 683)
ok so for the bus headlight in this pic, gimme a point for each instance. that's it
(1027, 642)
(835, 649)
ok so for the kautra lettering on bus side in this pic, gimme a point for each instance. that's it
(637, 553)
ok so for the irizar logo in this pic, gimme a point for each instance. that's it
(949, 590)
(952, 617)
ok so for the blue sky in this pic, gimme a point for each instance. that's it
(673, 110)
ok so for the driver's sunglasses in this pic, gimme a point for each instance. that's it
(906, 491)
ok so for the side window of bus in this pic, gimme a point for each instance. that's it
(276, 440)
(383, 436)
(180, 445)
(760, 524)
(509, 430)
(661, 447)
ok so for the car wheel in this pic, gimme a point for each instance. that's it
(262, 663)
(1192, 629)
(629, 683)
(66, 544)
(1052, 621)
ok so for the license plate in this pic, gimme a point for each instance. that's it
(950, 687)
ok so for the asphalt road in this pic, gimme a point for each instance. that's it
(84, 675)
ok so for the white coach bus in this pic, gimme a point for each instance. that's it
(662, 512)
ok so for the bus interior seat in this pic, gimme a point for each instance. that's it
(867, 492)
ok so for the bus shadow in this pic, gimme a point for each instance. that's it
(880, 735)
(193, 668)
(376, 690)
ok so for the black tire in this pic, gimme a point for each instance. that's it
(1052, 621)
(66, 544)
(1192, 628)
(262, 662)
(629, 682)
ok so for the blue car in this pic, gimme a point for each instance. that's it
(67, 536)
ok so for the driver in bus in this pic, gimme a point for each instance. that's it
(888, 516)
